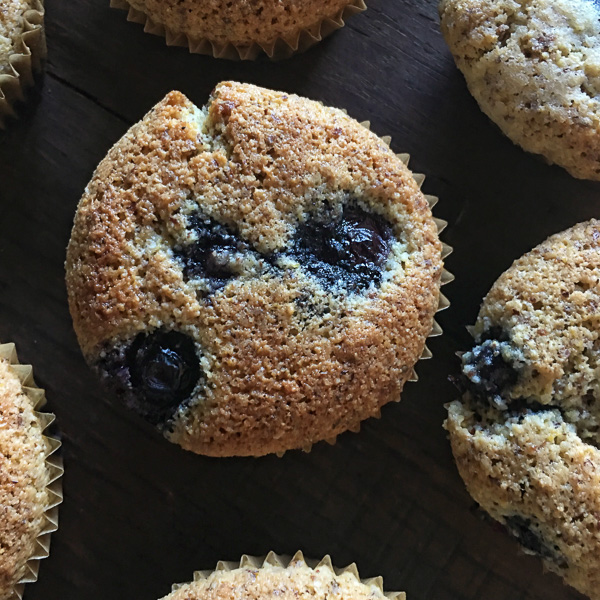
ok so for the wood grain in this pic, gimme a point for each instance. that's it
(140, 513)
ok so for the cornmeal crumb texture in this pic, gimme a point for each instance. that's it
(12, 23)
(534, 462)
(286, 358)
(242, 22)
(296, 582)
(23, 480)
(534, 68)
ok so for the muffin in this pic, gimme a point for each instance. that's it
(22, 49)
(242, 29)
(29, 486)
(526, 433)
(534, 68)
(289, 579)
(253, 276)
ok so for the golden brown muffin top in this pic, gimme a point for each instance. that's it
(242, 22)
(285, 359)
(295, 582)
(23, 479)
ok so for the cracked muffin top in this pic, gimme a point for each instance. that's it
(253, 276)
(534, 68)
(23, 480)
(297, 581)
(526, 434)
(12, 26)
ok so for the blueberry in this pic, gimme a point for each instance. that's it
(489, 371)
(350, 250)
(155, 374)
(212, 256)
(164, 367)
(527, 534)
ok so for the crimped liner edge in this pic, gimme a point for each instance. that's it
(281, 48)
(53, 463)
(284, 561)
(24, 63)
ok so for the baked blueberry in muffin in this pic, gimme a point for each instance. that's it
(255, 275)
(526, 433)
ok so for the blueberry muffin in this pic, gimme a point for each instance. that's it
(26, 472)
(534, 68)
(526, 434)
(255, 275)
(22, 49)
(241, 29)
(287, 579)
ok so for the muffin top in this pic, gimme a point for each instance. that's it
(243, 22)
(534, 68)
(12, 23)
(23, 479)
(297, 581)
(255, 275)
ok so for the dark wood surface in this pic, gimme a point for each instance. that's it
(139, 513)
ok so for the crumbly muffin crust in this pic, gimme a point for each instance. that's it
(526, 434)
(534, 68)
(23, 480)
(290, 353)
(241, 23)
(294, 582)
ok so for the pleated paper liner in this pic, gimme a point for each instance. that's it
(283, 47)
(276, 560)
(29, 55)
(54, 465)
(443, 302)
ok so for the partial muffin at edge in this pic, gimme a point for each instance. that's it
(534, 69)
(526, 433)
(287, 578)
(246, 26)
(23, 479)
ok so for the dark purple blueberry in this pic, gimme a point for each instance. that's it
(350, 250)
(155, 375)
(212, 256)
(489, 372)
(530, 538)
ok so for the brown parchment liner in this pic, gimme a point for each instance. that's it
(283, 47)
(283, 561)
(53, 463)
(443, 302)
(29, 54)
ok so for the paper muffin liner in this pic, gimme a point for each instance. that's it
(30, 53)
(276, 560)
(54, 465)
(283, 47)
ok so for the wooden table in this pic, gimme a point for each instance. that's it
(140, 513)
